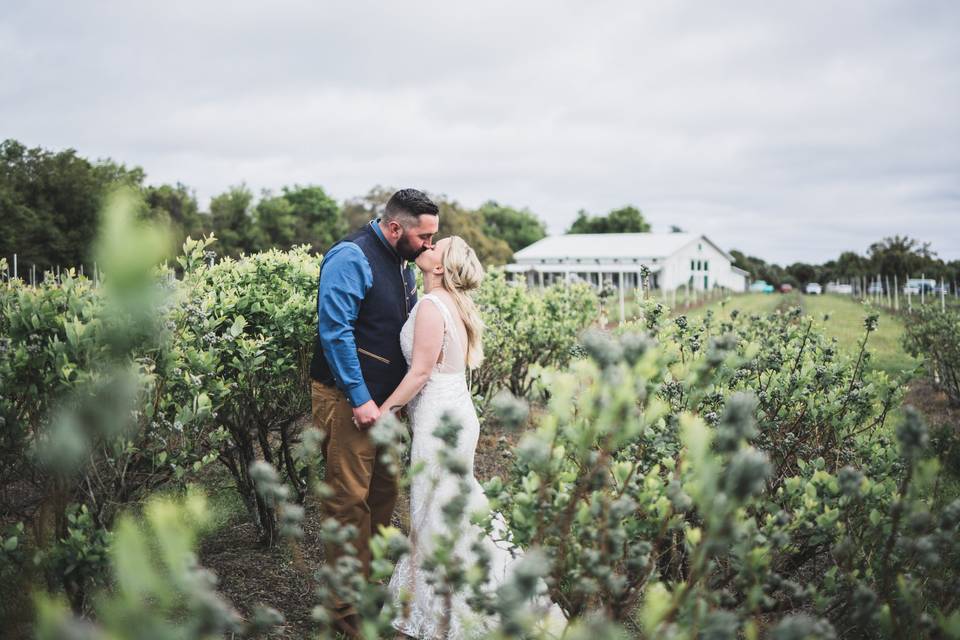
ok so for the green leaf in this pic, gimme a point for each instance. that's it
(10, 544)
(237, 327)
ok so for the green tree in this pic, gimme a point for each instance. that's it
(901, 256)
(518, 228)
(626, 219)
(456, 220)
(299, 215)
(759, 270)
(361, 210)
(175, 206)
(802, 273)
(231, 221)
(317, 219)
(50, 202)
(274, 222)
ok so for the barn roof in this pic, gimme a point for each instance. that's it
(609, 245)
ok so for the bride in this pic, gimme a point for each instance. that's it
(441, 338)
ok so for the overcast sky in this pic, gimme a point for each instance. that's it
(790, 130)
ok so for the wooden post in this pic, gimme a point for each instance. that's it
(889, 293)
(923, 285)
(15, 275)
(943, 297)
(623, 310)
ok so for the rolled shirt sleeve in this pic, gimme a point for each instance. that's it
(345, 279)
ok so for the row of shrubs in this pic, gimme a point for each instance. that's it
(729, 478)
(934, 335)
(109, 394)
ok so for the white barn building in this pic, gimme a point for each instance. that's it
(675, 260)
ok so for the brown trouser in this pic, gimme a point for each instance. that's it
(363, 492)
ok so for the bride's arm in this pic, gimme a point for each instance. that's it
(427, 342)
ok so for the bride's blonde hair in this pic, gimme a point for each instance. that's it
(462, 272)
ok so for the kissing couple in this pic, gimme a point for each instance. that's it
(379, 349)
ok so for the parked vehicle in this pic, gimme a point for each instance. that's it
(915, 286)
(814, 288)
(836, 287)
(786, 287)
(761, 286)
(875, 288)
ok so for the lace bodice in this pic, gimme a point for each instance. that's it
(452, 353)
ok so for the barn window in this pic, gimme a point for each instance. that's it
(706, 265)
(693, 265)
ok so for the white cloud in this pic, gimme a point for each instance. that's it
(789, 130)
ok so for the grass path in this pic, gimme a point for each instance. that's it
(845, 323)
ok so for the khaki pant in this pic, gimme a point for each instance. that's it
(363, 491)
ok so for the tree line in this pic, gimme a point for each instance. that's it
(50, 202)
(892, 259)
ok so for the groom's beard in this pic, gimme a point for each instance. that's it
(406, 251)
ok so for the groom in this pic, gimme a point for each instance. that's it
(366, 290)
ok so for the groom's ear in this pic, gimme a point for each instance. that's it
(395, 228)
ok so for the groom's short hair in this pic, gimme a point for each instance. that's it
(407, 205)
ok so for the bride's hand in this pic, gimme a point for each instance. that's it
(396, 410)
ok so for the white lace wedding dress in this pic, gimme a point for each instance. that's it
(446, 392)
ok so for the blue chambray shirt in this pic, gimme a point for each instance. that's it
(345, 281)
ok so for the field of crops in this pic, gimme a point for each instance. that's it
(746, 469)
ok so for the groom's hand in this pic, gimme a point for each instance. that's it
(366, 414)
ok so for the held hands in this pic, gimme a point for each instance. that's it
(366, 414)
(397, 410)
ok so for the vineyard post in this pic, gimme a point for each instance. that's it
(943, 297)
(81, 269)
(33, 275)
(15, 266)
(896, 294)
(923, 285)
(96, 275)
(887, 282)
(623, 315)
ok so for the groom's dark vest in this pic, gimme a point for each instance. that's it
(382, 313)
